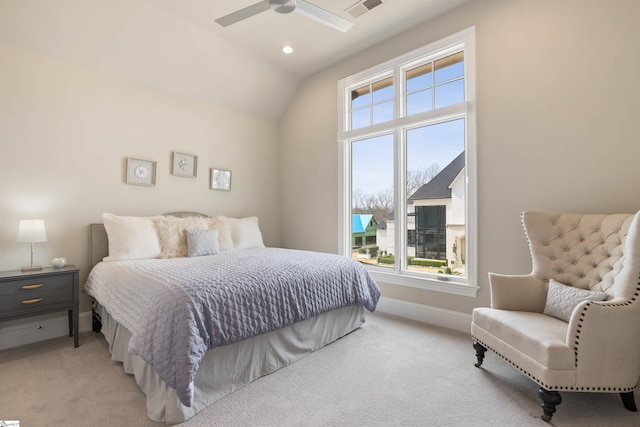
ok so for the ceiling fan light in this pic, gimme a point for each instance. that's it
(283, 6)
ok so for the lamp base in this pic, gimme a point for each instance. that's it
(31, 268)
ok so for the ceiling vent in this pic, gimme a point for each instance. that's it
(363, 7)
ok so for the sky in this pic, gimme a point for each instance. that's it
(372, 159)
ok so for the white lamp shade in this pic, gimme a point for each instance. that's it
(31, 230)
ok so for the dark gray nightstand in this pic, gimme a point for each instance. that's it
(24, 294)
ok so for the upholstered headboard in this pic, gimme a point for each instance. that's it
(99, 242)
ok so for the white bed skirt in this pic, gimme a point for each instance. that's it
(226, 369)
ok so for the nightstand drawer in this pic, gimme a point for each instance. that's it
(35, 293)
(30, 293)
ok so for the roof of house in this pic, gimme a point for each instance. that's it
(359, 222)
(439, 186)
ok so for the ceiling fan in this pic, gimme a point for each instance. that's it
(287, 6)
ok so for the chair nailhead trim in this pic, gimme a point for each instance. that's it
(550, 387)
(586, 307)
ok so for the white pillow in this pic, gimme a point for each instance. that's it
(172, 233)
(562, 299)
(221, 223)
(202, 242)
(245, 233)
(130, 237)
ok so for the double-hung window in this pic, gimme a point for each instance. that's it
(408, 167)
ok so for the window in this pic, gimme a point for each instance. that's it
(407, 148)
(411, 238)
(431, 230)
(372, 103)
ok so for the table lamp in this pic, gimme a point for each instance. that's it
(31, 231)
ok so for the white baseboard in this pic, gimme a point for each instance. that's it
(40, 330)
(426, 314)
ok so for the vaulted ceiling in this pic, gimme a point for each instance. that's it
(176, 45)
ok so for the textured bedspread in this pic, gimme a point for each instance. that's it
(177, 309)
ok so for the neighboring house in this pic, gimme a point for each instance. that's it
(435, 218)
(385, 233)
(363, 230)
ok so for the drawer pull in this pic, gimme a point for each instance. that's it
(32, 301)
(36, 286)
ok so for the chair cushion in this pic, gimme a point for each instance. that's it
(536, 335)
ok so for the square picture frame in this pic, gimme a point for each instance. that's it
(220, 179)
(183, 164)
(141, 172)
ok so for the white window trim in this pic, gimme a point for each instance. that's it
(447, 284)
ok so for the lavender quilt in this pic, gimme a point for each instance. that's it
(177, 309)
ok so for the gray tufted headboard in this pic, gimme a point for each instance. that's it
(99, 242)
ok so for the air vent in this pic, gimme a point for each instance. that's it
(362, 7)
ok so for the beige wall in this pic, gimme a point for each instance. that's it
(557, 107)
(557, 110)
(65, 132)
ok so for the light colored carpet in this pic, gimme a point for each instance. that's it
(390, 372)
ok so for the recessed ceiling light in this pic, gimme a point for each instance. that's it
(287, 49)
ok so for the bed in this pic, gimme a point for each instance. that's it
(196, 307)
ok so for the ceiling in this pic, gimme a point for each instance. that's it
(316, 45)
(176, 45)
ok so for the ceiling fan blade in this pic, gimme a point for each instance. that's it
(321, 15)
(242, 14)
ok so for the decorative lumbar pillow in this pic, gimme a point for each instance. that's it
(130, 237)
(562, 299)
(221, 223)
(245, 233)
(202, 242)
(172, 234)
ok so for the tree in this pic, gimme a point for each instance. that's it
(381, 203)
(418, 177)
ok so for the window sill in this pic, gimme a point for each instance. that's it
(429, 284)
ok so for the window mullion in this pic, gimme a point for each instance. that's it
(371, 104)
(433, 86)
(400, 216)
(399, 93)
(441, 114)
(400, 208)
(344, 201)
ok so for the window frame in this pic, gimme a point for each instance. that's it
(463, 40)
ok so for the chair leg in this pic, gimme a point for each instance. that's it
(628, 401)
(550, 399)
(480, 350)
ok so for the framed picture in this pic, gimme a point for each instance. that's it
(141, 172)
(184, 165)
(220, 179)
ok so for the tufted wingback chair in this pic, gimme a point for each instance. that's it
(598, 349)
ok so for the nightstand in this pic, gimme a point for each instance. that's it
(24, 294)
